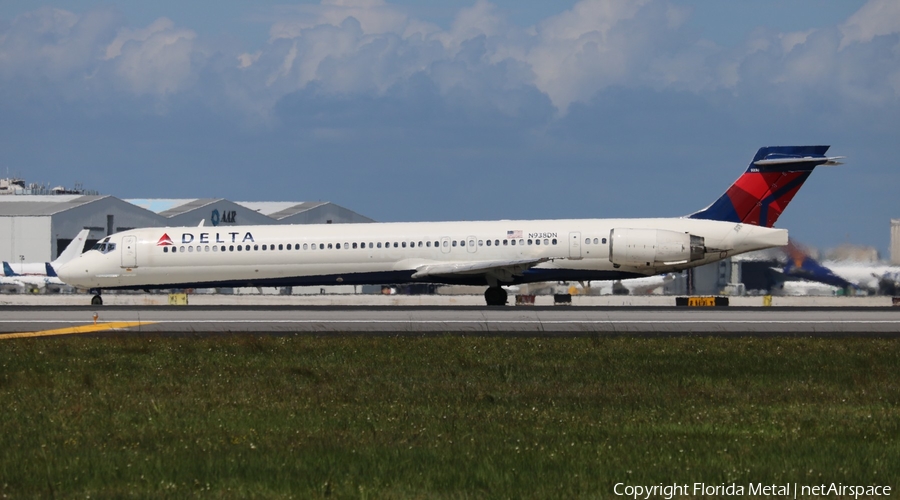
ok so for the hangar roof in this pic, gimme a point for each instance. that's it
(172, 207)
(43, 205)
(280, 209)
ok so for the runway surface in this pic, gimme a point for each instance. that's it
(21, 321)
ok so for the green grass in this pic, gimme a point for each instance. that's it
(444, 417)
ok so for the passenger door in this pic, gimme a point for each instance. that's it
(445, 244)
(129, 251)
(471, 244)
(575, 245)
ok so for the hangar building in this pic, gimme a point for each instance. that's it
(309, 212)
(36, 228)
(212, 211)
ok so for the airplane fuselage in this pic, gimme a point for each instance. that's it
(393, 253)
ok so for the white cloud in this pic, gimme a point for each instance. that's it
(52, 44)
(154, 60)
(876, 17)
(368, 47)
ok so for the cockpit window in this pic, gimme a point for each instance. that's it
(104, 246)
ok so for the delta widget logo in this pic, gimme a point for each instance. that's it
(164, 241)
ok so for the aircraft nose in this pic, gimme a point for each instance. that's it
(70, 272)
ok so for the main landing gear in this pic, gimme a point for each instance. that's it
(495, 296)
(96, 300)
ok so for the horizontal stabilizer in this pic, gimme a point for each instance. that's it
(829, 161)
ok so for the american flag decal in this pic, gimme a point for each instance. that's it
(513, 234)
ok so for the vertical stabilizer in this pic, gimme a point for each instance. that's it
(76, 246)
(763, 192)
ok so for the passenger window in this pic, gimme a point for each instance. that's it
(513, 242)
(346, 245)
(181, 249)
(587, 241)
(330, 246)
(462, 243)
(215, 249)
(481, 243)
(370, 244)
(428, 244)
(420, 244)
(337, 246)
(454, 242)
(396, 244)
(378, 245)
(230, 248)
(321, 246)
(255, 247)
(521, 242)
(239, 248)
(305, 246)
(546, 241)
(471, 243)
(497, 243)
(596, 241)
(446, 243)
(206, 248)
(536, 242)
(506, 242)
(604, 241)
(403, 244)
(165, 249)
(529, 241)
(265, 247)
(554, 241)
(488, 242)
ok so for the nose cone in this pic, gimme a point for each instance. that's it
(73, 273)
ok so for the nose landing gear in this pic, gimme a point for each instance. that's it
(96, 300)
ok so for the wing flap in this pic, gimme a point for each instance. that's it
(500, 268)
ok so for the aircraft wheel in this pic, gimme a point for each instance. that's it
(96, 300)
(495, 296)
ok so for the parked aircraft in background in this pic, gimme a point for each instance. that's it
(41, 274)
(851, 277)
(487, 253)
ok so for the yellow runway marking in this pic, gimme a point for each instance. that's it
(99, 327)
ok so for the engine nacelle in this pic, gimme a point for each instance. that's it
(653, 247)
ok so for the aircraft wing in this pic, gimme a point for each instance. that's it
(503, 270)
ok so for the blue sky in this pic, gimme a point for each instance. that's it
(466, 110)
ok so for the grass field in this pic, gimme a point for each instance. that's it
(441, 417)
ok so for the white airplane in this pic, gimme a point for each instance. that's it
(491, 253)
(40, 275)
(873, 278)
(847, 275)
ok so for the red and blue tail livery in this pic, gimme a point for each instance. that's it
(761, 194)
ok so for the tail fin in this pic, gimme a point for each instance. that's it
(76, 246)
(762, 193)
(801, 265)
(7, 270)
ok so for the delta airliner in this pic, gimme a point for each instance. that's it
(487, 253)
